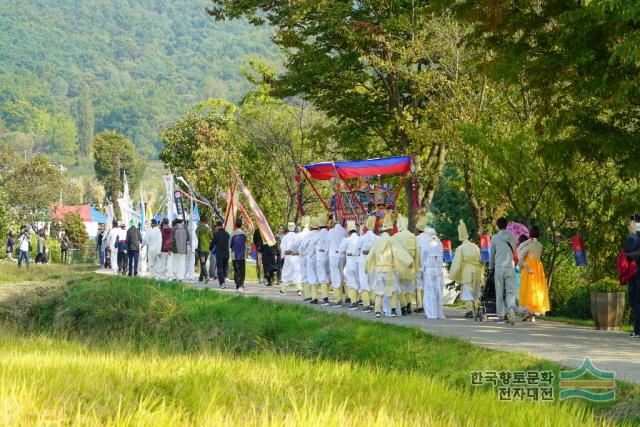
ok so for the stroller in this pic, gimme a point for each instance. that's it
(487, 309)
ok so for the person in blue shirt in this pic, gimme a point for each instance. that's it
(238, 246)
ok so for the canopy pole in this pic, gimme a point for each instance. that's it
(339, 208)
(395, 198)
(315, 190)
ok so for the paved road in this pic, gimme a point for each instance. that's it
(565, 344)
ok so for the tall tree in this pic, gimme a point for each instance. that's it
(85, 121)
(114, 155)
(383, 70)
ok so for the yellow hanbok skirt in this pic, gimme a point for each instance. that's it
(534, 292)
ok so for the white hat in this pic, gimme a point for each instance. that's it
(291, 226)
(351, 226)
(463, 234)
(323, 220)
(431, 232)
(422, 223)
(313, 223)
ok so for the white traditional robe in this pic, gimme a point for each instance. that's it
(309, 245)
(365, 242)
(291, 268)
(322, 255)
(349, 248)
(431, 257)
(336, 235)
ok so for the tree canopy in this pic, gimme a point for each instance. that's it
(114, 156)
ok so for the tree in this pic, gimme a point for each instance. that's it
(85, 121)
(263, 139)
(384, 70)
(578, 63)
(74, 229)
(33, 187)
(114, 154)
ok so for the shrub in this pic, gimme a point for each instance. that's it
(569, 293)
(75, 230)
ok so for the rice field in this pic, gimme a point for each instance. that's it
(45, 381)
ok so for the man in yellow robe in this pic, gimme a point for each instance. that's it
(466, 269)
(385, 259)
(407, 276)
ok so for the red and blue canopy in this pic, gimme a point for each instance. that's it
(354, 169)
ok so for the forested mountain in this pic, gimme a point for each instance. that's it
(71, 68)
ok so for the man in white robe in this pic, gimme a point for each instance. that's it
(302, 250)
(289, 251)
(336, 235)
(310, 251)
(153, 241)
(349, 248)
(431, 257)
(322, 258)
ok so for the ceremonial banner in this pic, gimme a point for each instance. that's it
(265, 230)
(142, 211)
(232, 209)
(179, 205)
(110, 214)
(243, 212)
(447, 255)
(484, 249)
(168, 183)
(579, 252)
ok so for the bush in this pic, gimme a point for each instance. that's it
(569, 292)
(75, 230)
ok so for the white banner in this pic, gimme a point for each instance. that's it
(168, 183)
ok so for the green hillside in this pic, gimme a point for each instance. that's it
(69, 68)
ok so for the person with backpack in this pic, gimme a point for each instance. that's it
(632, 251)
(133, 242)
(179, 242)
(502, 261)
(24, 246)
(41, 252)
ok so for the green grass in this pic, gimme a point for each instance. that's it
(108, 350)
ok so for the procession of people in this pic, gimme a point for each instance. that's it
(378, 267)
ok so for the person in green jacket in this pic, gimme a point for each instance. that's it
(204, 234)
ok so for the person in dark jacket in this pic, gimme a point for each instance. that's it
(257, 243)
(632, 250)
(239, 252)
(221, 242)
(270, 263)
(134, 239)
